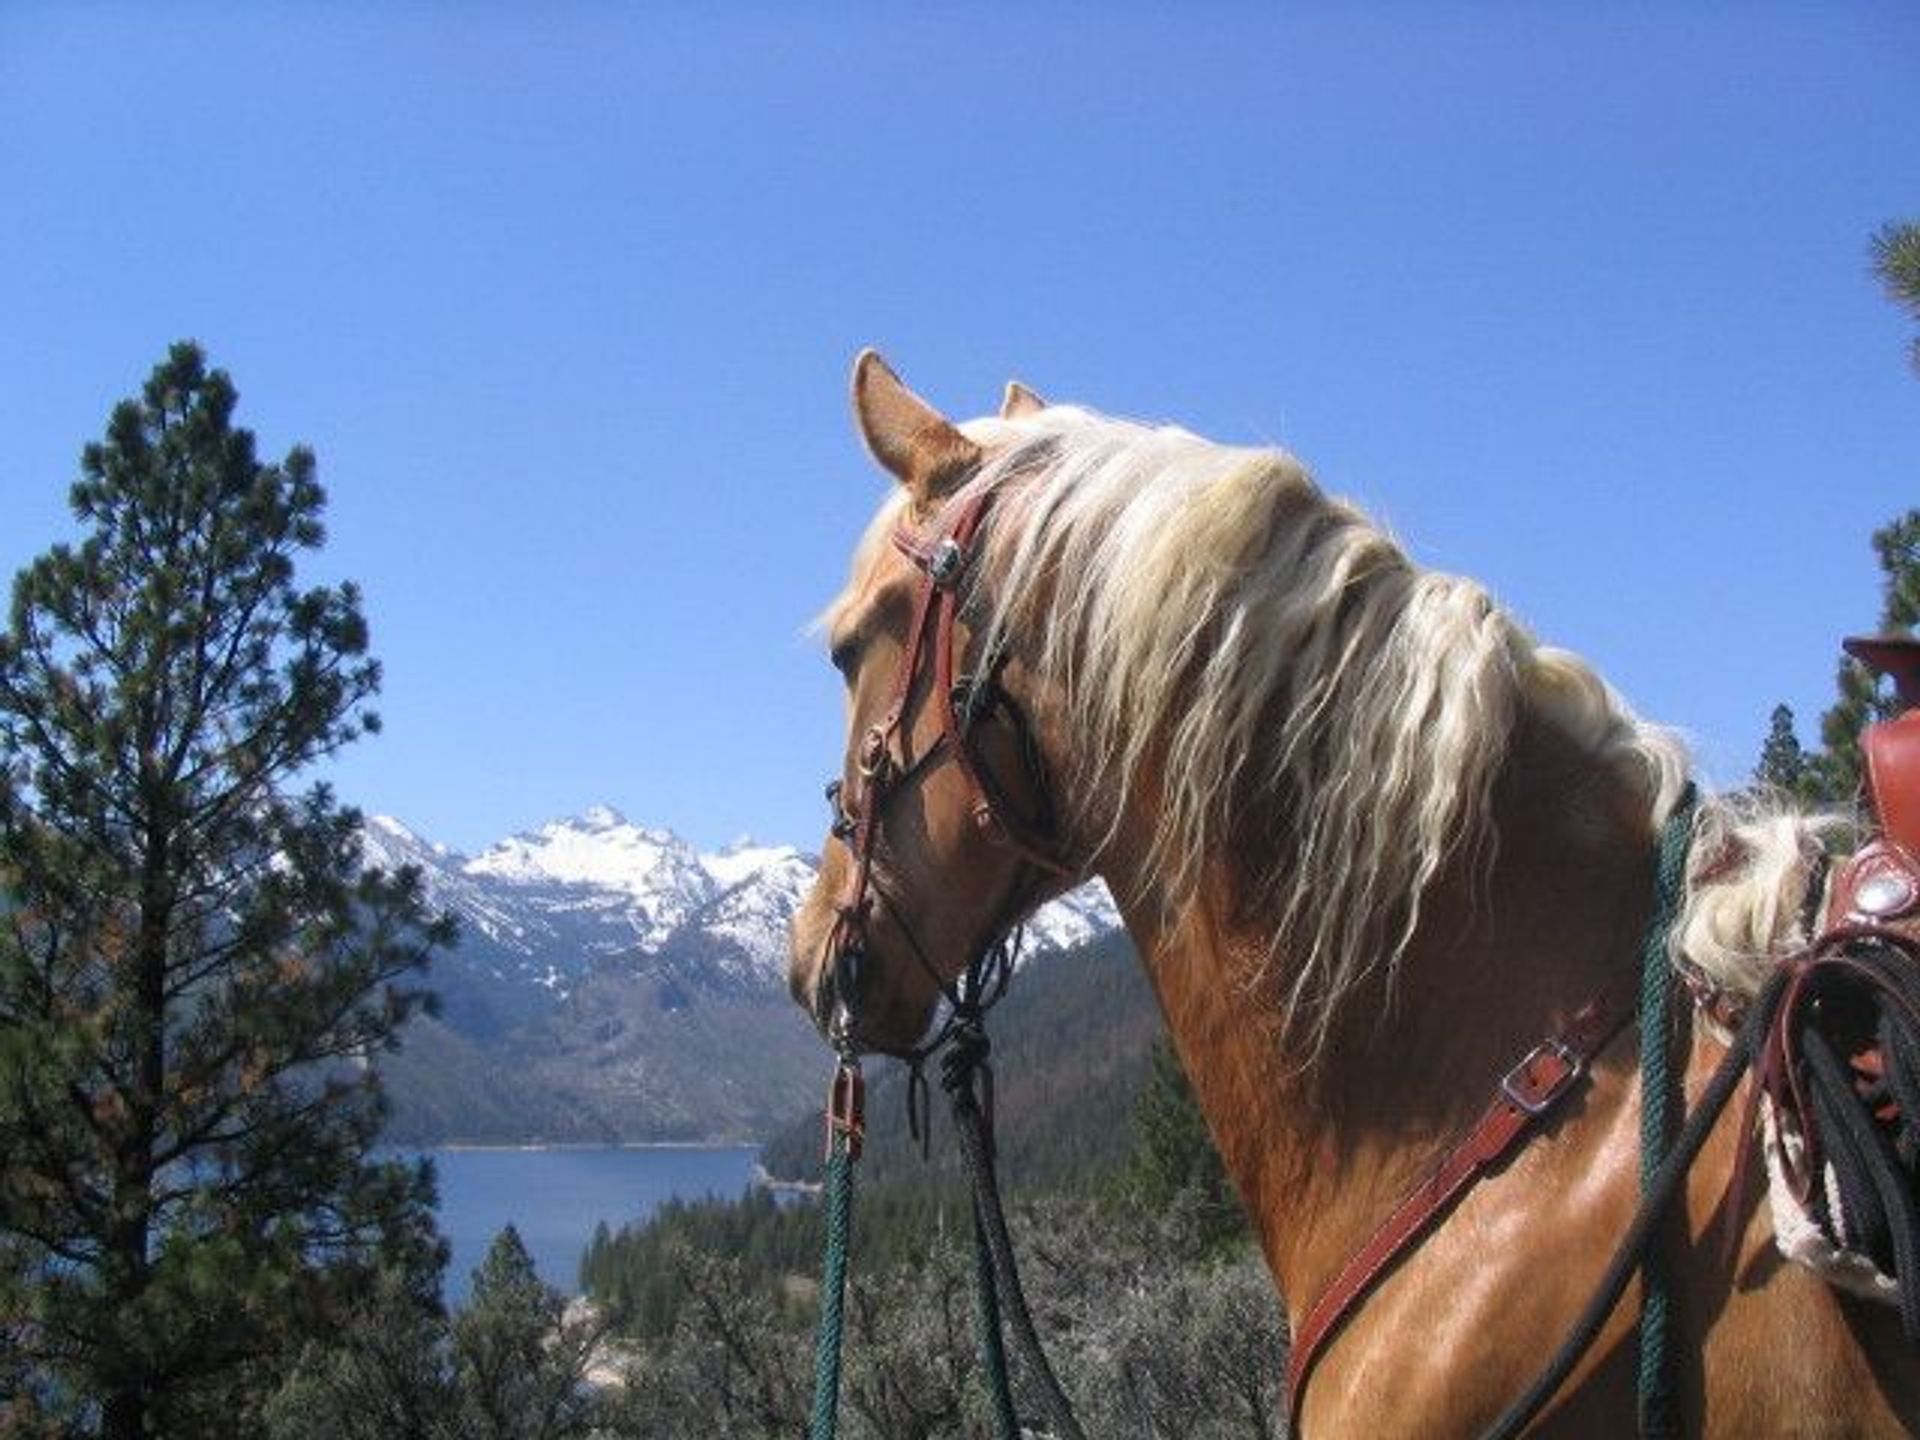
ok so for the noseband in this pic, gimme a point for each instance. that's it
(883, 772)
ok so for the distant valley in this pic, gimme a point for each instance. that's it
(613, 984)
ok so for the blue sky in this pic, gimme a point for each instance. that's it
(1574, 298)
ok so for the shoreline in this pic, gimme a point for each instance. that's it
(536, 1146)
(766, 1180)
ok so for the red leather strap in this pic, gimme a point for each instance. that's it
(1892, 747)
(876, 766)
(1893, 776)
(880, 770)
(990, 805)
(1526, 1096)
(1895, 655)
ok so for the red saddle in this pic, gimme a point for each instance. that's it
(1893, 747)
(1862, 969)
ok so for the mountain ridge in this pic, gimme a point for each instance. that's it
(615, 984)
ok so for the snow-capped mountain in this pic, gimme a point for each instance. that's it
(599, 861)
(550, 902)
(595, 953)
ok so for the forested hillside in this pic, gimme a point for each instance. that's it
(1157, 1310)
(1155, 1307)
(1070, 1047)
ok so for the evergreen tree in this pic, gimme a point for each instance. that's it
(1174, 1163)
(194, 968)
(519, 1363)
(385, 1378)
(1896, 260)
(1836, 771)
(1783, 763)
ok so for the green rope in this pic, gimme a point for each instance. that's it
(833, 1293)
(1659, 1106)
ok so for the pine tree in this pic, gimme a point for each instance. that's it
(194, 968)
(1783, 763)
(519, 1363)
(385, 1378)
(1174, 1162)
(1896, 260)
(1836, 771)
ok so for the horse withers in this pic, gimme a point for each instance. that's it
(1372, 843)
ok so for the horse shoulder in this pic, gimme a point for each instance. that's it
(1765, 1348)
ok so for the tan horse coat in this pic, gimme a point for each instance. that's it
(1506, 947)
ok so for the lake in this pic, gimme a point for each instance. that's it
(554, 1198)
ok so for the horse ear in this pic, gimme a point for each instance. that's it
(1020, 402)
(913, 442)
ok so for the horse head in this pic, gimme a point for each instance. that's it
(942, 837)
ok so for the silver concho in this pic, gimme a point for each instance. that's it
(1883, 894)
(943, 565)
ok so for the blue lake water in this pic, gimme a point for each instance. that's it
(554, 1198)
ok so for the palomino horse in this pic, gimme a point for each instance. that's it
(1372, 843)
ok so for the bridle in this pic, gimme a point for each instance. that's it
(882, 774)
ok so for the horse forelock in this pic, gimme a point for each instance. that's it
(1277, 670)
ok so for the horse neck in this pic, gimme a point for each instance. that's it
(1500, 959)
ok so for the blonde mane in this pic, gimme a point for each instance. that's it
(1217, 628)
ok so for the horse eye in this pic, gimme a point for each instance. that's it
(844, 654)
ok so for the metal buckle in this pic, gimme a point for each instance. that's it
(1538, 1093)
(846, 1108)
(875, 760)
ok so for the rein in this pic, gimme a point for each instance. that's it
(882, 774)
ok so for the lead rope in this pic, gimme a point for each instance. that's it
(968, 1081)
(962, 1068)
(1660, 1104)
(845, 1132)
(993, 1348)
(1664, 1162)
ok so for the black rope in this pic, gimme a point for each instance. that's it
(992, 1336)
(1658, 1195)
(1876, 1194)
(1861, 1120)
(967, 1077)
(1806, 1037)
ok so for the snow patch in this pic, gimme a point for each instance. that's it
(743, 859)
